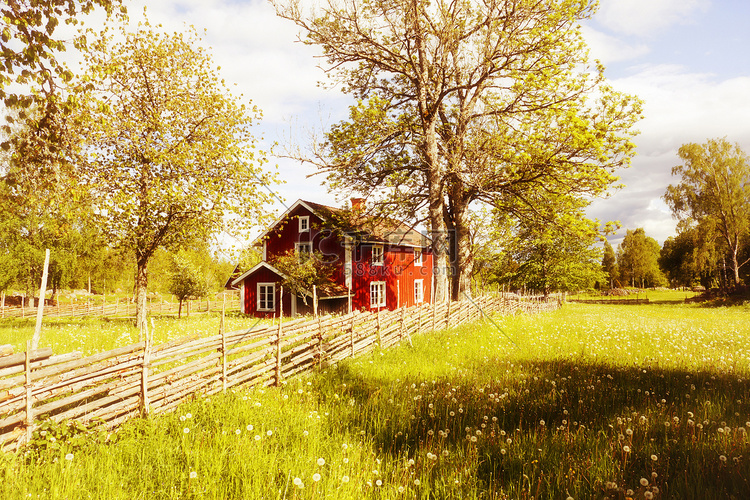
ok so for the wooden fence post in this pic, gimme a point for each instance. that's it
(320, 341)
(448, 316)
(144, 371)
(380, 337)
(351, 335)
(278, 337)
(223, 333)
(29, 410)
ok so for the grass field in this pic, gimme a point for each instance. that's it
(591, 401)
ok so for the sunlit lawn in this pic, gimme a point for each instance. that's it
(592, 401)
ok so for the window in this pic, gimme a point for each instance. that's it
(303, 250)
(377, 294)
(377, 255)
(304, 223)
(417, 257)
(266, 296)
(418, 291)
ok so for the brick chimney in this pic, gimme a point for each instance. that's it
(358, 204)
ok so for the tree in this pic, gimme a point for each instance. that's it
(558, 257)
(186, 281)
(301, 274)
(691, 257)
(468, 102)
(714, 191)
(637, 260)
(166, 151)
(609, 263)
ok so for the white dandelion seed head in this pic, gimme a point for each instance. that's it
(321, 461)
(316, 477)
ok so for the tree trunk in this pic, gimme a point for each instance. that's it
(141, 284)
(463, 260)
(179, 310)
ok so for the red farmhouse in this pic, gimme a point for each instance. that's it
(375, 265)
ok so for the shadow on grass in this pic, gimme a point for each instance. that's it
(586, 409)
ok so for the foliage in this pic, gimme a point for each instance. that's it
(714, 192)
(609, 264)
(556, 257)
(186, 281)
(165, 150)
(690, 257)
(638, 260)
(302, 272)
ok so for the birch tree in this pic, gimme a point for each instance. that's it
(166, 151)
(714, 192)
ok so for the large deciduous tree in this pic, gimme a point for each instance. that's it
(714, 192)
(637, 260)
(166, 151)
(468, 101)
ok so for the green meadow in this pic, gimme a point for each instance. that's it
(590, 401)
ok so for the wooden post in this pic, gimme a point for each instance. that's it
(448, 316)
(320, 340)
(349, 298)
(315, 301)
(401, 326)
(223, 350)
(419, 324)
(380, 337)
(144, 371)
(29, 410)
(2, 307)
(278, 337)
(40, 307)
(351, 335)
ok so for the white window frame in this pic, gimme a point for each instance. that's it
(304, 223)
(273, 296)
(417, 257)
(377, 294)
(303, 248)
(377, 251)
(418, 291)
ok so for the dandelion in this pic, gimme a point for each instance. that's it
(257, 437)
(626, 449)
(186, 430)
(305, 433)
(654, 458)
(445, 453)
(416, 482)
(321, 462)
(410, 462)
(502, 451)
(378, 483)
(345, 479)
(69, 457)
(269, 433)
(648, 495)
(344, 446)
(249, 427)
(473, 439)
(316, 477)
(193, 475)
(189, 415)
(238, 432)
(722, 458)
(644, 481)
(298, 483)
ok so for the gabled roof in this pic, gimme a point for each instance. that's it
(259, 265)
(367, 229)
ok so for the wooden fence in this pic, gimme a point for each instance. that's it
(113, 386)
(120, 308)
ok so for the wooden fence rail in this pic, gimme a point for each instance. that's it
(119, 308)
(113, 386)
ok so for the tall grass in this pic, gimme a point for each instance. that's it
(586, 402)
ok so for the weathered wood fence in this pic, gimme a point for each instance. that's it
(113, 386)
(120, 308)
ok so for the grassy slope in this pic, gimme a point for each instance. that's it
(589, 402)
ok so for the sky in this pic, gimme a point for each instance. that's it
(689, 60)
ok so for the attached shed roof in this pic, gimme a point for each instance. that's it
(259, 265)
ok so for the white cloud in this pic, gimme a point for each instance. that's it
(609, 49)
(647, 17)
